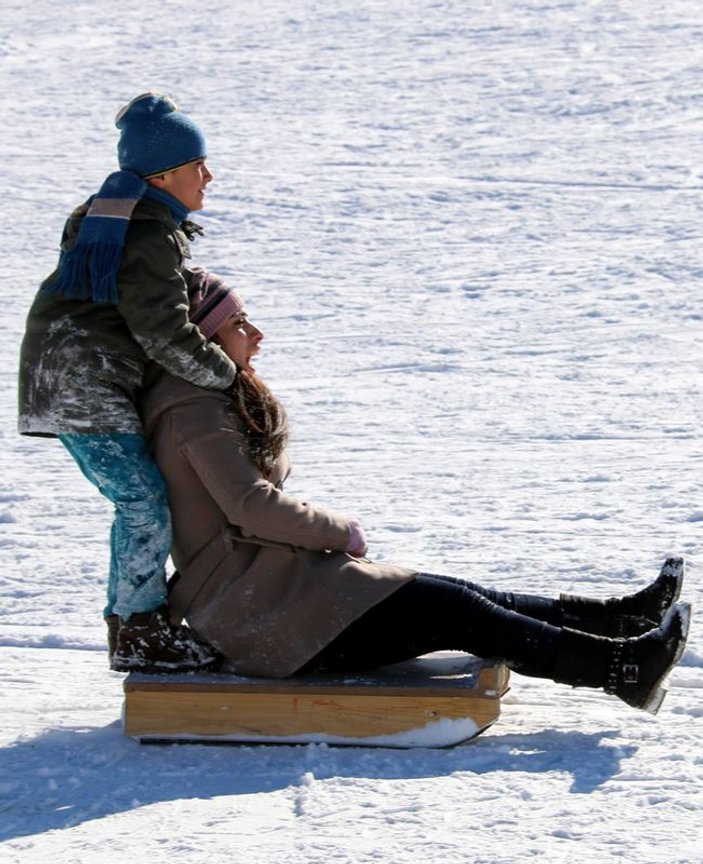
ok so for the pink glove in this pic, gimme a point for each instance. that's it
(357, 545)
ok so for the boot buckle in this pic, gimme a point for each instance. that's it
(630, 673)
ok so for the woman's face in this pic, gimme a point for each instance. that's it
(240, 340)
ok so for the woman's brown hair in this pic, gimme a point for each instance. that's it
(263, 420)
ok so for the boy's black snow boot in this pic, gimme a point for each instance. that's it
(626, 616)
(631, 669)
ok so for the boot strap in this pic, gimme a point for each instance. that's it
(620, 671)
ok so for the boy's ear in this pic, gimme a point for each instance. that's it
(159, 181)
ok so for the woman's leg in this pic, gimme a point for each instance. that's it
(534, 606)
(616, 616)
(433, 614)
(430, 614)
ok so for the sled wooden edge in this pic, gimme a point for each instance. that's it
(439, 700)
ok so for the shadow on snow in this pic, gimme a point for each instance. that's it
(66, 777)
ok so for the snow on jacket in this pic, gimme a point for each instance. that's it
(262, 574)
(82, 363)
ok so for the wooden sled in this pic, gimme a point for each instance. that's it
(438, 700)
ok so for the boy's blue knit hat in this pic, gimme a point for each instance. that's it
(156, 136)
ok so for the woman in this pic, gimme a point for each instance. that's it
(280, 586)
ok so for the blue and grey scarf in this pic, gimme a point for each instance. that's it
(89, 270)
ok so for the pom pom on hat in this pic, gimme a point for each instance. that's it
(156, 136)
(211, 302)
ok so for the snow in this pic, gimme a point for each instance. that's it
(472, 235)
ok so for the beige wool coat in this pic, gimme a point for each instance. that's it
(262, 574)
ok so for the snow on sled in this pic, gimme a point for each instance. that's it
(438, 700)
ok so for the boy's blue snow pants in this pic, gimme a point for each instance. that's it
(120, 466)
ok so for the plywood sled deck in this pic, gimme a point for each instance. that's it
(437, 700)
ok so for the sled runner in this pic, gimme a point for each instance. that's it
(437, 700)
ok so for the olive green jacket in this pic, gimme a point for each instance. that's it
(82, 363)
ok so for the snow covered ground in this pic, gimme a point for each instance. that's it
(472, 235)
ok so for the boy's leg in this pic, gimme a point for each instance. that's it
(120, 466)
(141, 636)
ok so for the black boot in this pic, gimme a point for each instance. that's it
(625, 616)
(631, 669)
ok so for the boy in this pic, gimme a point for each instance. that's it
(117, 300)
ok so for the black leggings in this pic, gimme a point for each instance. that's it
(436, 613)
